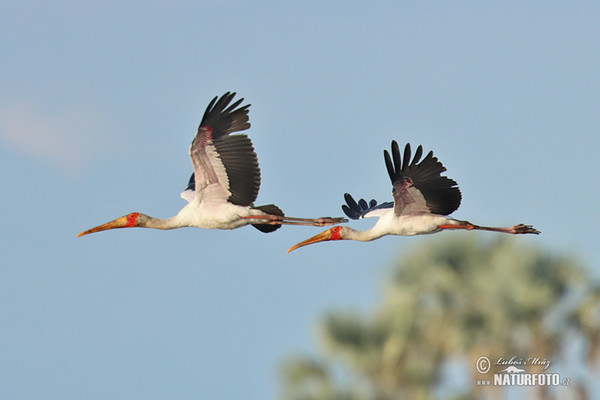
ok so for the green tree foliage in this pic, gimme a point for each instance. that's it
(452, 299)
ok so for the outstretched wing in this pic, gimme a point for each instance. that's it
(362, 209)
(419, 187)
(225, 166)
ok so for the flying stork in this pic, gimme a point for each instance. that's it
(422, 200)
(225, 182)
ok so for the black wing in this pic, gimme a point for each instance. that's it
(419, 187)
(224, 120)
(214, 150)
(360, 210)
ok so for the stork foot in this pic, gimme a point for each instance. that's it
(522, 228)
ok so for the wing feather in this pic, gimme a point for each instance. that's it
(361, 209)
(419, 187)
(241, 163)
(225, 163)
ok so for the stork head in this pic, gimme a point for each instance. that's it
(126, 221)
(335, 233)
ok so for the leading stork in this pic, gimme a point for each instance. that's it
(422, 200)
(225, 182)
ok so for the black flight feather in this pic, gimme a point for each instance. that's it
(355, 210)
(442, 195)
(271, 209)
(235, 151)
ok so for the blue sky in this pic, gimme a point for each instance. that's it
(99, 103)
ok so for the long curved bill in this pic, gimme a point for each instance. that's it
(321, 237)
(122, 222)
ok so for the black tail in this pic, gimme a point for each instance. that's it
(269, 209)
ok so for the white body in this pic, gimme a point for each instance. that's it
(409, 225)
(405, 225)
(217, 214)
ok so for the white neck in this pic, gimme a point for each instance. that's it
(161, 223)
(361, 236)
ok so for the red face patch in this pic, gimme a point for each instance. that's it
(335, 233)
(132, 219)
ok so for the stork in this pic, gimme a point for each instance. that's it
(225, 182)
(423, 199)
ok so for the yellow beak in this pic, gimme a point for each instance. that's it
(123, 222)
(321, 237)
